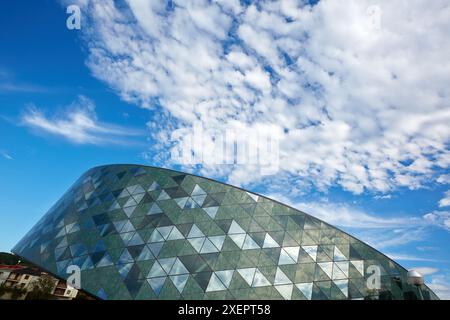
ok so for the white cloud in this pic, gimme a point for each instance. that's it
(6, 155)
(439, 218)
(345, 216)
(364, 108)
(425, 271)
(440, 284)
(381, 232)
(408, 257)
(444, 179)
(78, 124)
(445, 202)
(8, 84)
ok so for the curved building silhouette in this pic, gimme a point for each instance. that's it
(138, 232)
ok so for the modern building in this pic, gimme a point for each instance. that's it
(25, 278)
(139, 232)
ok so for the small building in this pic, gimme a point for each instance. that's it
(17, 281)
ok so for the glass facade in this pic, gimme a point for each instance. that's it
(139, 232)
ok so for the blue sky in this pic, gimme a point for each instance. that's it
(359, 95)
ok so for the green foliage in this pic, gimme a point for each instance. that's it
(15, 292)
(8, 258)
(42, 289)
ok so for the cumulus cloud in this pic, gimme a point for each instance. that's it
(439, 218)
(361, 99)
(78, 124)
(445, 202)
(444, 179)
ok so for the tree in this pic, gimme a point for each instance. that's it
(42, 289)
(15, 292)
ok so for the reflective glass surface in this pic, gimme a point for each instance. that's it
(140, 232)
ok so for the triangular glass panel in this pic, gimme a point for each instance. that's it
(210, 202)
(99, 246)
(292, 252)
(123, 194)
(102, 294)
(61, 233)
(155, 209)
(130, 202)
(247, 274)
(167, 264)
(114, 206)
(238, 239)
(119, 224)
(311, 251)
(195, 232)
(175, 234)
(61, 266)
(249, 243)
(125, 257)
(281, 278)
(105, 261)
(208, 247)
(211, 211)
(163, 196)
(197, 243)
(145, 254)
(88, 264)
(306, 289)
(124, 269)
(190, 204)
(165, 231)
(197, 191)
(138, 197)
(217, 241)
(225, 276)
(155, 237)
(157, 284)
(178, 268)
(285, 290)
(128, 227)
(154, 186)
(235, 228)
(327, 267)
(285, 258)
(338, 255)
(156, 271)
(138, 190)
(342, 285)
(155, 248)
(126, 236)
(199, 199)
(343, 268)
(259, 280)
(129, 211)
(215, 284)
(269, 242)
(179, 179)
(179, 281)
(181, 202)
(135, 240)
(359, 265)
(253, 196)
(131, 189)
